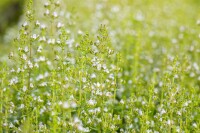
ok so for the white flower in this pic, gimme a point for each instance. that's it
(111, 76)
(59, 25)
(92, 102)
(24, 57)
(41, 58)
(31, 85)
(99, 67)
(34, 36)
(84, 80)
(12, 70)
(179, 113)
(16, 121)
(46, 12)
(60, 103)
(24, 88)
(4, 89)
(93, 76)
(39, 77)
(108, 94)
(36, 65)
(26, 49)
(30, 65)
(66, 105)
(140, 112)
(57, 3)
(37, 23)
(194, 125)
(25, 24)
(43, 84)
(21, 106)
(42, 39)
(73, 104)
(55, 15)
(149, 131)
(112, 127)
(80, 32)
(198, 22)
(43, 26)
(51, 41)
(13, 81)
(162, 111)
(46, 4)
(122, 101)
(168, 122)
(39, 50)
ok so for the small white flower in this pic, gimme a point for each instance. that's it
(80, 32)
(21, 106)
(99, 67)
(93, 76)
(92, 102)
(25, 24)
(58, 42)
(36, 65)
(39, 77)
(73, 104)
(179, 113)
(149, 131)
(140, 112)
(55, 15)
(46, 12)
(37, 23)
(51, 41)
(194, 125)
(162, 111)
(4, 89)
(42, 58)
(34, 36)
(43, 84)
(84, 80)
(12, 70)
(24, 88)
(24, 57)
(13, 81)
(46, 4)
(30, 65)
(108, 94)
(60, 103)
(43, 26)
(111, 76)
(168, 122)
(198, 22)
(31, 85)
(5, 124)
(26, 49)
(59, 25)
(42, 39)
(66, 105)
(57, 3)
(16, 121)
(122, 101)
(39, 50)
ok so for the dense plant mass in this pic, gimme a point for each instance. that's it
(103, 66)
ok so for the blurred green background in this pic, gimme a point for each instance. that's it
(155, 20)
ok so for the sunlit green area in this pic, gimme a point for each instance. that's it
(100, 66)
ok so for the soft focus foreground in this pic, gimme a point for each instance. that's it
(102, 66)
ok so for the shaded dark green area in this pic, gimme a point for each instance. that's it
(10, 12)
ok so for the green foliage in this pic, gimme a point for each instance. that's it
(124, 76)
